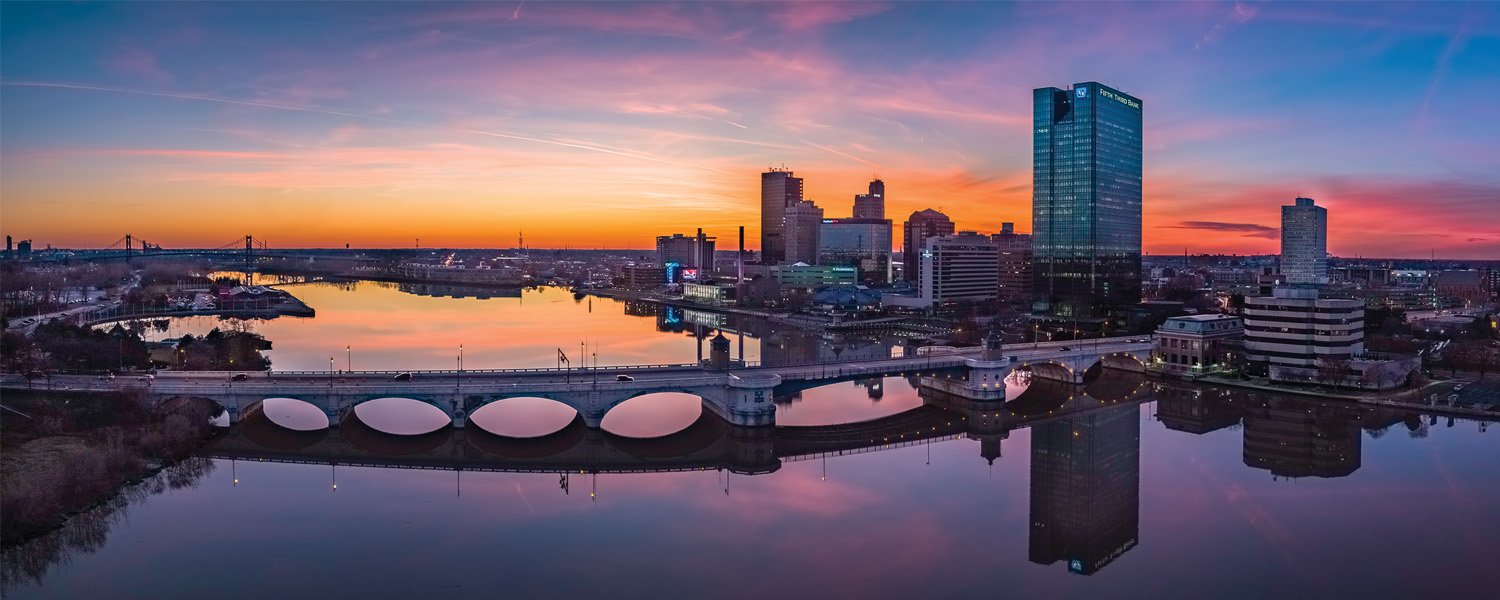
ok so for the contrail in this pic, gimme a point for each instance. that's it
(353, 116)
(851, 157)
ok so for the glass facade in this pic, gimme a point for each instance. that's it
(864, 243)
(1086, 203)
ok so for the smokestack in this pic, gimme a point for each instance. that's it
(739, 282)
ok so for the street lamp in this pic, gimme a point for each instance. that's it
(330, 372)
(348, 360)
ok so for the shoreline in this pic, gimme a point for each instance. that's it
(1387, 402)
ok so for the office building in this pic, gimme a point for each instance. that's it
(809, 277)
(1294, 327)
(1304, 243)
(1196, 344)
(1085, 489)
(643, 278)
(1015, 264)
(919, 226)
(778, 189)
(862, 243)
(803, 225)
(964, 267)
(871, 205)
(696, 252)
(1086, 201)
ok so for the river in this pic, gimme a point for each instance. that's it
(1122, 487)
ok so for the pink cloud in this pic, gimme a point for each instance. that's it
(138, 63)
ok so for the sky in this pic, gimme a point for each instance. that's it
(606, 124)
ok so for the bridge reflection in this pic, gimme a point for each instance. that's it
(709, 442)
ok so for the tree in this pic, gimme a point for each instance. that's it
(1237, 303)
(1333, 370)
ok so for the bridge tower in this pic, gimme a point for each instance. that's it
(249, 248)
(128, 243)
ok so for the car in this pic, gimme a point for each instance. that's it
(403, 377)
(1064, 349)
(624, 378)
(238, 377)
(146, 377)
(1458, 387)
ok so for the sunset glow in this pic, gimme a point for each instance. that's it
(604, 125)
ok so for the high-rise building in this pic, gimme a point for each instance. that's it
(778, 189)
(696, 252)
(1294, 328)
(803, 224)
(1304, 243)
(1086, 201)
(1015, 264)
(1086, 489)
(919, 226)
(964, 267)
(863, 243)
(871, 205)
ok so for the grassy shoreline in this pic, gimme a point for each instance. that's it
(77, 451)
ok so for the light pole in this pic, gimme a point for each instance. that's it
(330, 372)
(348, 359)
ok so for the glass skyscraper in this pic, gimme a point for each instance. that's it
(1086, 201)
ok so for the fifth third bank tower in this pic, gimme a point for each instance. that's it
(1086, 201)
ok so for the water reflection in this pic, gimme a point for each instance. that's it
(88, 532)
(524, 417)
(1085, 489)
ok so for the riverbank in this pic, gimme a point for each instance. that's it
(66, 453)
(1366, 398)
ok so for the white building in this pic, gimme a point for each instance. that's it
(1304, 243)
(1294, 327)
(961, 267)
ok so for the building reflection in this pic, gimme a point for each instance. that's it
(1085, 489)
(1290, 437)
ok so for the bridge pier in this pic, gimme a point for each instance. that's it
(985, 383)
(747, 400)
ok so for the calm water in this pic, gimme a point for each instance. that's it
(1174, 491)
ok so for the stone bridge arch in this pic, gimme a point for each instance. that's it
(1121, 361)
(1055, 370)
(250, 408)
(341, 416)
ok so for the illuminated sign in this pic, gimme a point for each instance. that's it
(1120, 99)
(826, 221)
(690, 274)
(1075, 566)
(1082, 92)
(672, 272)
(844, 269)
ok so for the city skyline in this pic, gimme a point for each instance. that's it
(462, 124)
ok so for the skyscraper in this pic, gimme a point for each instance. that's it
(919, 226)
(1015, 264)
(1086, 489)
(1086, 201)
(778, 189)
(871, 205)
(803, 222)
(1304, 242)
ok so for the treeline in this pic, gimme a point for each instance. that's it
(60, 346)
(222, 350)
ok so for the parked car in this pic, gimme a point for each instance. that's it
(239, 377)
(624, 378)
(1064, 349)
(403, 377)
